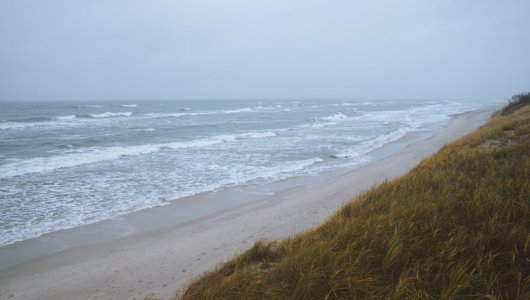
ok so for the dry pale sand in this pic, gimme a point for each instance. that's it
(160, 262)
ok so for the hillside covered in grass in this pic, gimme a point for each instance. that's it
(457, 226)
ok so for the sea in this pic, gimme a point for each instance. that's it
(64, 164)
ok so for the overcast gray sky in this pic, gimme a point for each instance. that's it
(152, 49)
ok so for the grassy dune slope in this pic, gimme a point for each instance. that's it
(457, 226)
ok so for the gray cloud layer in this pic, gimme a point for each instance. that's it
(130, 49)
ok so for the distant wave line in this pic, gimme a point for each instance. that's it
(93, 155)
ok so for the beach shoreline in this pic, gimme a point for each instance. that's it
(159, 258)
(172, 212)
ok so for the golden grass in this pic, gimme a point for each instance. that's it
(457, 226)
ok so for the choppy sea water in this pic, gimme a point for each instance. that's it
(65, 164)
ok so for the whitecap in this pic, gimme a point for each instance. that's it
(89, 106)
(66, 118)
(239, 110)
(373, 144)
(257, 134)
(111, 114)
(175, 115)
(284, 170)
(265, 107)
(199, 113)
(13, 125)
(93, 155)
(336, 117)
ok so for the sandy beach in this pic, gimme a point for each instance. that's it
(161, 257)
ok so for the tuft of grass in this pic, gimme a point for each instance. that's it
(515, 102)
(457, 226)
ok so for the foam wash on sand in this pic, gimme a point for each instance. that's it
(64, 164)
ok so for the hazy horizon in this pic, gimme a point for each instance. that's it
(172, 50)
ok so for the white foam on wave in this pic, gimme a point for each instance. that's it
(66, 118)
(371, 103)
(286, 170)
(176, 115)
(337, 137)
(93, 155)
(88, 106)
(373, 144)
(79, 214)
(336, 117)
(415, 116)
(239, 110)
(112, 114)
(327, 121)
(265, 107)
(411, 119)
(60, 121)
(242, 173)
(257, 134)
(12, 125)
(199, 113)
(164, 115)
(128, 105)
(317, 125)
(85, 215)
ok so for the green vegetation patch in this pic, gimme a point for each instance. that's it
(457, 226)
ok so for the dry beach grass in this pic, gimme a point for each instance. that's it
(457, 226)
